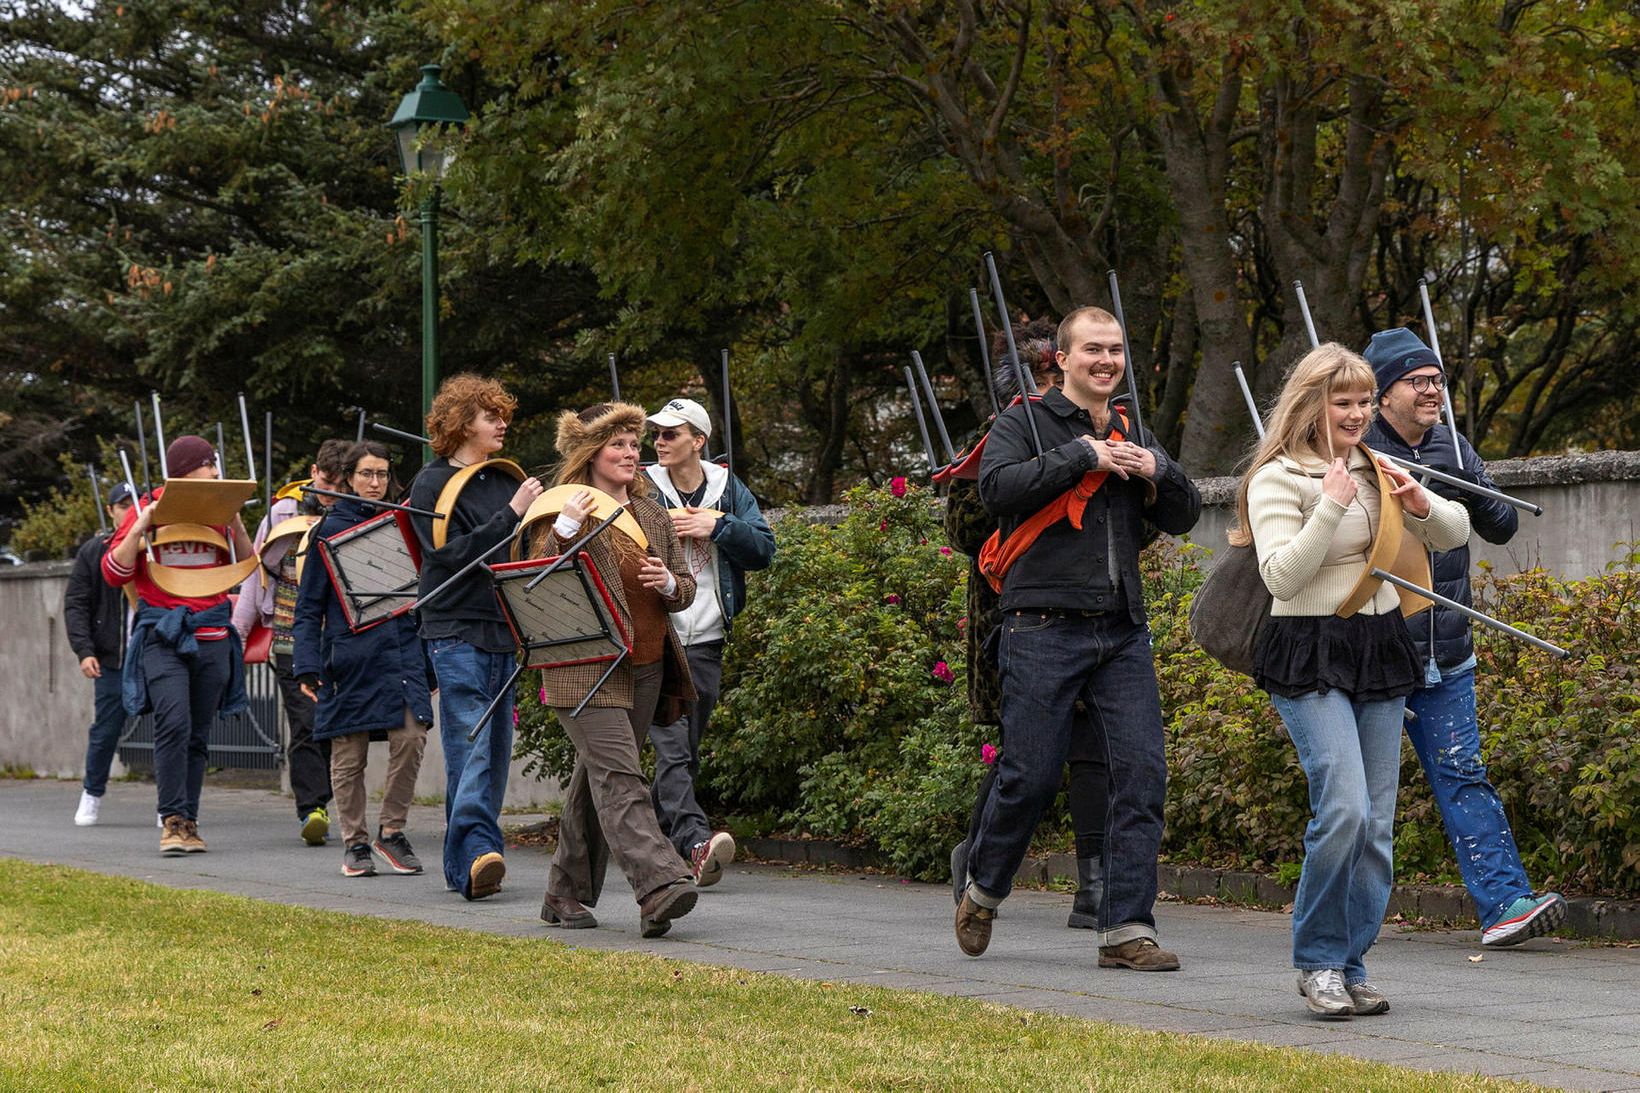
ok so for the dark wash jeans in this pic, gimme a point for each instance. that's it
(104, 739)
(1047, 662)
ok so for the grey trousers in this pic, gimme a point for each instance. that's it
(677, 753)
(405, 746)
(607, 808)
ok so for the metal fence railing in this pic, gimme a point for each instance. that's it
(253, 740)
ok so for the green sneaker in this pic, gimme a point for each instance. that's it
(316, 827)
(1527, 917)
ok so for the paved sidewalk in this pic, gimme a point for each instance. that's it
(1560, 1014)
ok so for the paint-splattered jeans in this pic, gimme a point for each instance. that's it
(1444, 734)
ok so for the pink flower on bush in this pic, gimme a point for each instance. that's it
(988, 754)
(893, 597)
(896, 486)
(515, 717)
(942, 672)
(542, 697)
(883, 526)
(945, 551)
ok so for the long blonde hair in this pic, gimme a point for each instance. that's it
(1299, 415)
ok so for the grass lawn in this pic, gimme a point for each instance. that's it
(116, 984)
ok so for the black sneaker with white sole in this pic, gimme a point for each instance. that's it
(357, 862)
(395, 850)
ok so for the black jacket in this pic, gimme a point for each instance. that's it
(1096, 568)
(94, 610)
(1493, 521)
(482, 519)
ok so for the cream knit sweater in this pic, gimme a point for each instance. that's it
(1311, 550)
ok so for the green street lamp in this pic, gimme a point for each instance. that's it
(424, 124)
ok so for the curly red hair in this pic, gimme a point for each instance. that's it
(460, 399)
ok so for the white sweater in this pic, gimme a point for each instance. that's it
(1312, 550)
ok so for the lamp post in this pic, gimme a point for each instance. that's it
(421, 125)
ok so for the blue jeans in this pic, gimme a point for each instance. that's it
(475, 774)
(106, 726)
(1047, 662)
(1351, 754)
(1448, 743)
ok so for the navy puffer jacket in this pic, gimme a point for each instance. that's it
(367, 678)
(1492, 520)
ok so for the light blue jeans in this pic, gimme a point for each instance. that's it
(475, 774)
(1444, 734)
(1350, 752)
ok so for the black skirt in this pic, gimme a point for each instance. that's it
(1368, 657)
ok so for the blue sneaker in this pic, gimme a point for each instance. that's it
(1527, 917)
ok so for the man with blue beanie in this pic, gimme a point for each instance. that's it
(1441, 714)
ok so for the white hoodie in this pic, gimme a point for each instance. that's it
(702, 620)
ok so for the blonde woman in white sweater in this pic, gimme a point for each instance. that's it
(1310, 505)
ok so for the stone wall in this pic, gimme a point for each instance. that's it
(1590, 502)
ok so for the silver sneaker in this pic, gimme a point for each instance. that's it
(1368, 999)
(1324, 993)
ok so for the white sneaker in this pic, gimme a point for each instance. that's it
(159, 821)
(86, 814)
(1324, 993)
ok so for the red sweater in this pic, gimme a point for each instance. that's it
(177, 555)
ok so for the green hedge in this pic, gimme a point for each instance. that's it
(844, 714)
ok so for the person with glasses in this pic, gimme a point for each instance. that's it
(270, 600)
(1440, 717)
(724, 535)
(371, 683)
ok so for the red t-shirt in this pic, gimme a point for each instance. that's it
(177, 555)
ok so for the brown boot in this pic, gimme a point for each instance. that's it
(191, 842)
(173, 839)
(657, 910)
(1142, 954)
(566, 911)
(973, 926)
(485, 874)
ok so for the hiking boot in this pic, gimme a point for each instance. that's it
(1527, 917)
(191, 842)
(1090, 892)
(1324, 993)
(316, 827)
(395, 850)
(959, 870)
(660, 907)
(566, 911)
(973, 925)
(1142, 954)
(707, 859)
(485, 874)
(90, 807)
(173, 840)
(1367, 999)
(357, 862)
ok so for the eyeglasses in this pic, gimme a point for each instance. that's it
(1421, 384)
(373, 476)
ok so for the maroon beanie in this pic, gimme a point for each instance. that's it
(187, 454)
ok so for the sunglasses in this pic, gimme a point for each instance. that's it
(669, 435)
(1421, 384)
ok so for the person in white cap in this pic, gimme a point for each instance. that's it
(724, 534)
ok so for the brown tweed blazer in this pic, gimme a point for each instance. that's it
(566, 686)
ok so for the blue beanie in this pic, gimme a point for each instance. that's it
(1394, 353)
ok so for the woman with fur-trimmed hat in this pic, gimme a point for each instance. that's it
(607, 807)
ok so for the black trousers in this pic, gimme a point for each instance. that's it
(309, 758)
(184, 693)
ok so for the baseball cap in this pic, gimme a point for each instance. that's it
(119, 495)
(683, 411)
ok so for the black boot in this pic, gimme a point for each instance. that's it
(1090, 892)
